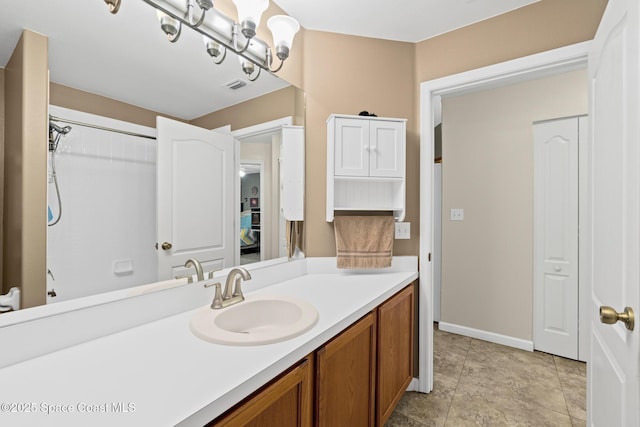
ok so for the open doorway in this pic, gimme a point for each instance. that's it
(543, 64)
(251, 185)
(260, 145)
(488, 218)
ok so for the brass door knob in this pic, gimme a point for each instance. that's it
(609, 316)
(166, 246)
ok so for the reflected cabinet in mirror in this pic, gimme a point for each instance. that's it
(93, 184)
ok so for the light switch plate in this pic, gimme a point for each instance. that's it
(457, 214)
(403, 230)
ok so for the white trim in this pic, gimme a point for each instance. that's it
(542, 64)
(414, 385)
(487, 336)
(262, 128)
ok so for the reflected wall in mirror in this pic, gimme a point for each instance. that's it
(134, 79)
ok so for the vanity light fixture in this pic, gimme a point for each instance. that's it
(220, 33)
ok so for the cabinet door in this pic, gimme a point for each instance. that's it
(351, 147)
(284, 403)
(345, 377)
(395, 351)
(387, 141)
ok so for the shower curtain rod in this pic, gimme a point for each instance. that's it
(73, 122)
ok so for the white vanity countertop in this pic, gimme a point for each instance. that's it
(161, 374)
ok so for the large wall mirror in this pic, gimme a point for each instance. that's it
(122, 67)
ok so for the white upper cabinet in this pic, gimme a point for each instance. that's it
(365, 164)
(368, 147)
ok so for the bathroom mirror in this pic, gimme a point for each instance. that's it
(126, 57)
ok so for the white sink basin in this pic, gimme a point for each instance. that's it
(255, 321)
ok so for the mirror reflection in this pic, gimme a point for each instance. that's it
(101, 185)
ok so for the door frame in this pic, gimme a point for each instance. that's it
(556, 61)
(250, 131)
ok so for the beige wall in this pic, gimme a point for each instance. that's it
(25, 213)
(487, 152)
(64, 96)
(275, 105)
(541, 26)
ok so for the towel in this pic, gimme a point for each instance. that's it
(364, 241)
(294, 237)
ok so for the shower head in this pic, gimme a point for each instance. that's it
(63, 130)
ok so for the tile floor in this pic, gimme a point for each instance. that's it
(478, 383)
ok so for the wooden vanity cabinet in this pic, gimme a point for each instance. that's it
(362, 374)
(395, 351)
(286, 402)
(356, 379)
(345, 377)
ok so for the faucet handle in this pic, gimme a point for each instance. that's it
(186, 276)
(211, 273)
(217, 298)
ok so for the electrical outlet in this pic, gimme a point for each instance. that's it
(403, 230)
(457, 214)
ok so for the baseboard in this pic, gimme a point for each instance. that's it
(487, 336)
(414, 385)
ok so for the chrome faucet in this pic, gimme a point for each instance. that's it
(232, 289)
(195, 263)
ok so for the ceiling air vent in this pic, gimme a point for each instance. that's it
(236, 84)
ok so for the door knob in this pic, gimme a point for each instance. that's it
(557, 268)
(166, 246)
(609, 316)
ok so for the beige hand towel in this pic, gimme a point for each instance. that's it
(293, 237)
(364, 241)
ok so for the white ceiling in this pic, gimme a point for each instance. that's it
(406, 20)
(127, 57)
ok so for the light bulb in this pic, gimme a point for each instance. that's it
(283, 28)
(249, 14)
(247, 66)
(169, 25)
(214, 49)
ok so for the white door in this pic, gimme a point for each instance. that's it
(613, 398)
(292, 167)
(555, 276)
(196, 188)
(386, 149)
